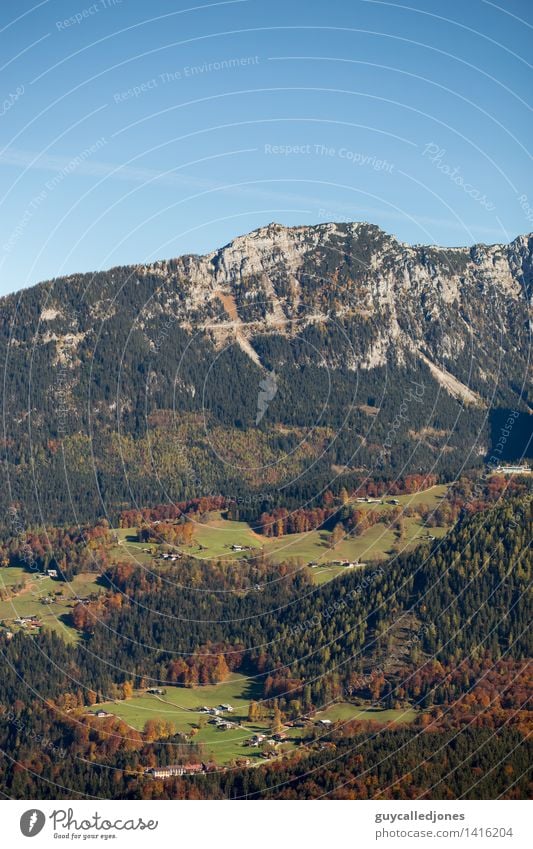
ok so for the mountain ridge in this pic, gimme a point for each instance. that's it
(270, 228)
(266, 279)
(344, 315)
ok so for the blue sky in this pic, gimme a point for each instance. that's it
(132, 131)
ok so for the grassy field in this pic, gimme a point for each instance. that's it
(220, 534)
(28, 602)
(344, 711)
(128, 548)
(13, 575)
(374, 544)
(211, 541)
(180, 705)
(429, 497)
(214, 540)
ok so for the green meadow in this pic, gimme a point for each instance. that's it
(180, 705)
(344, 712)
(28, 601)
(213, 540)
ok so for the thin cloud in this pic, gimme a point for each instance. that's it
(32, 160)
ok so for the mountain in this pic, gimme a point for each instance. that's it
(288, 361)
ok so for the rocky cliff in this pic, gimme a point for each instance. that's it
(346, 318)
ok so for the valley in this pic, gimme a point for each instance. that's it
(230, 735)
(229, 541)
(338, 386)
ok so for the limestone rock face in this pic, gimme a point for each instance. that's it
(446, 306)
(304, 352)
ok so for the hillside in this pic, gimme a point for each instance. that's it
(297, 357)
(419, 641)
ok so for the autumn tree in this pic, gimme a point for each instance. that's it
(277, 721)
(127, 690)
(337, 535)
